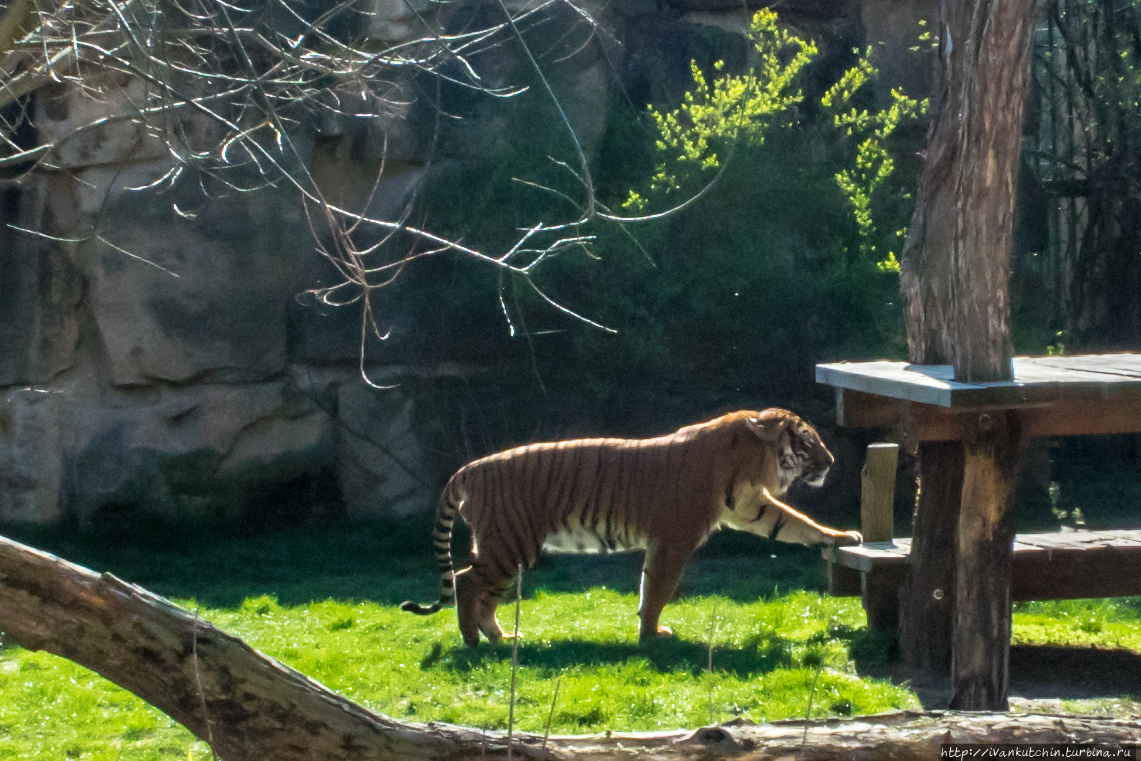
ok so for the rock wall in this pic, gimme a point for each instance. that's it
(153, 357)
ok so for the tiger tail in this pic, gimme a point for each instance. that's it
(446, 511)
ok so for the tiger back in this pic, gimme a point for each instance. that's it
(662, 495)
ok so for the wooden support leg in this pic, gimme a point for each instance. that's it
(877, 524)
(842, 581)
(980, 662)
(881, 601)
(928, 593)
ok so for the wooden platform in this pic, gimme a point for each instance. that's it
(1054, 396)
(1054, 566)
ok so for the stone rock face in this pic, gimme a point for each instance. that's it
(209, 294)
(153, 357)
(380, 466)
(40, 294)
(31, 460)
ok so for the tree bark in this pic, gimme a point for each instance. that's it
(956, 262)
(248, 706)
(955, 272)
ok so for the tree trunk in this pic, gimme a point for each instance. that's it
(249, 707)
(956, 262)
(955, 272)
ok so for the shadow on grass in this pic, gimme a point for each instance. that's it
(665, 655)
(1074, 673)
(1037, 672)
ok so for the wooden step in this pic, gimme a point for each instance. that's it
(1060, 565)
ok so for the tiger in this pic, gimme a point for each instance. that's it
(662, 495)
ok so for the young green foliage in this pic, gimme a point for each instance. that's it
(693, 137)
(872, 164)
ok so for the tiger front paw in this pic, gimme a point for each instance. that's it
(846, 538)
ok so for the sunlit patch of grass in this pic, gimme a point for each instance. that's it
(51, 708)
(765, 658)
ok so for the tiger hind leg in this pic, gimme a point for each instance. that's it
(478, 591)
(488, 623)
(467, 606)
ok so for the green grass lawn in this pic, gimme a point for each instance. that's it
(324, 603)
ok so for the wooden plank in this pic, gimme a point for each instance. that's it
(1123, 365)
(1031, 542)
(1072, 574)
(864, 557)
(1037, 380)
(877, 492)
(859, 409)
(910, 420)
(892, 379)
(879, 593)
(842, 580)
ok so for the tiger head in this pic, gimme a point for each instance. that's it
(800, 452)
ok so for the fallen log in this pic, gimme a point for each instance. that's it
(249, 707)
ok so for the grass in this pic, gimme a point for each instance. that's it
(324, 602)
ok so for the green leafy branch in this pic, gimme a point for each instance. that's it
(692, 137)
(873, 163)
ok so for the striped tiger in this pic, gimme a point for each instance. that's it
(663, 495)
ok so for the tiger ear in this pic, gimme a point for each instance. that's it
(766, 425)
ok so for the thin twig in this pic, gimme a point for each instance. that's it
(198, 681)
(808, 713)
(551, 715)
(709, 665)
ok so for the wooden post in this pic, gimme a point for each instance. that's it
(980, 659)
(877, 493)
(880, 596)
(877, 524)
(927, 597)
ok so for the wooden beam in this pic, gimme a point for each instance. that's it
(902, 419)
(1047, 566)
(1085, 414)
(1075, 573)
(843, 581)
(1090, 415)
(879, 592)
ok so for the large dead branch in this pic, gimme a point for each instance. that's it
(249, 706)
